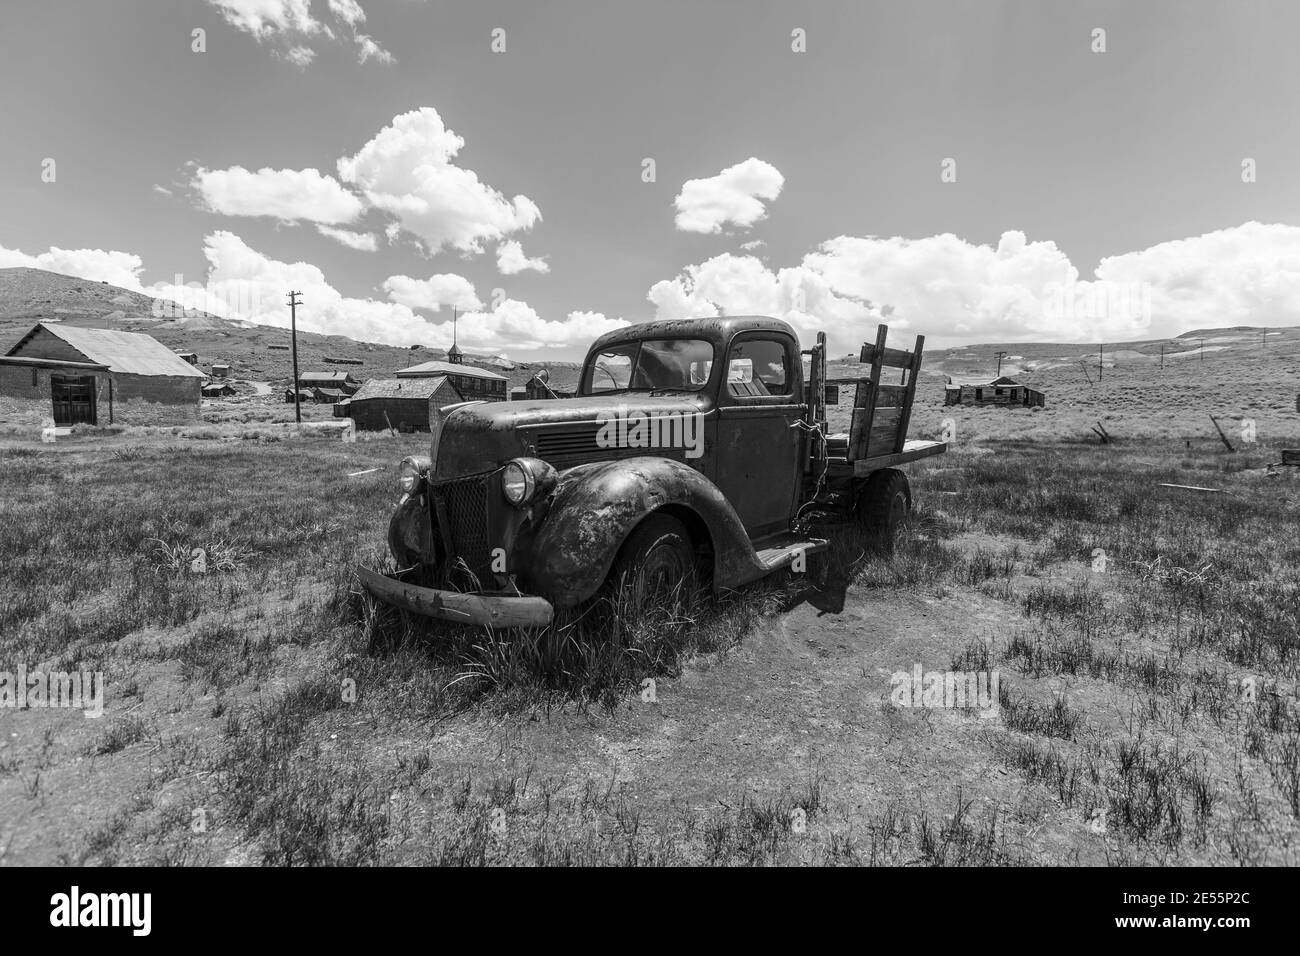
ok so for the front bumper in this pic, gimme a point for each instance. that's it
(488, 610)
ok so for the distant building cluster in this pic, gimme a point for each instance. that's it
(71, 375)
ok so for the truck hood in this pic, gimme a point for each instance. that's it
(477, 437)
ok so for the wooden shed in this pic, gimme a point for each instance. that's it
(473, 383)
(96, 376)
(340, 381)
(1004, 391)
(403, 403)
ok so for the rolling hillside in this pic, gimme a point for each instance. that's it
(28, 296)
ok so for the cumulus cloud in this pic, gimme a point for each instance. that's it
(289, 25)
(511, 259)
(960, 292)
(119, 268)
(1244, 275)
(361, 241)
(242, 283)
(286, 194)
(518, 325)
(733, 197)
(433, 293)
(407, 171)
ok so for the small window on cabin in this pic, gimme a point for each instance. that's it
(997, 391)
(979, 394)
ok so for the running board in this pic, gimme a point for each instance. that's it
(780, 550)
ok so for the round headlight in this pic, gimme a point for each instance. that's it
(517, 482)
(409, 475)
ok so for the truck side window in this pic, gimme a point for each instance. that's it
(758, 367)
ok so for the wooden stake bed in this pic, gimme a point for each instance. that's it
(881, 412)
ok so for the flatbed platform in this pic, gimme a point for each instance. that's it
(912, 451)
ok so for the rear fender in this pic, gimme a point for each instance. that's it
(596, 506)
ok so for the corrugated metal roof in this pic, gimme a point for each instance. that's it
(447, 368)
(127, 352)
(323, 377)
(417, 388)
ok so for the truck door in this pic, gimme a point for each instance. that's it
(757, 454)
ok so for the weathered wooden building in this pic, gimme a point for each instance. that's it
(999, 391)
(78, 375)
(340, 381)
(474, 384)
(401, 403)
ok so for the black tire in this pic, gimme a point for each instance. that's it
(883, 505)
(656, 567)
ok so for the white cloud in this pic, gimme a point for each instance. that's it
(286, 194)
(300, 56)
(120, 268)
(368, 49)
(433, 293)
(752, 245)
(349, 11)
(361, 241)
(958, 292)
(288, 24)
(266, 18)
(511, 259)
(733, 196)
(517, 325)
(406, 170)
(1244, 275)
(242, 283)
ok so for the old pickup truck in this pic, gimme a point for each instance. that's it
(693, 449)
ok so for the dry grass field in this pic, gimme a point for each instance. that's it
(260, 710)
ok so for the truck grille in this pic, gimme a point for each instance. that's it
(567, 443)
(465, 504)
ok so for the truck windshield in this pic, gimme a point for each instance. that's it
(649, 365)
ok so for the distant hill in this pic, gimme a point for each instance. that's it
(28, 296)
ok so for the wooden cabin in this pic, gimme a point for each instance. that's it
(1004, 391)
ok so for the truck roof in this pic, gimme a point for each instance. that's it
(715, 329)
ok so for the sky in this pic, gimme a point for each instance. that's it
(977, 171)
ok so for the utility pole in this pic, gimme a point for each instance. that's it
(1101, 351)
(295, 300)
(1000, 354)
(1162, 356)
(1202, 350)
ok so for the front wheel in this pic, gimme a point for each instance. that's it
(883, 505)
(656, 565)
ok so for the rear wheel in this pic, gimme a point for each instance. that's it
(656, 565)
(883, 505)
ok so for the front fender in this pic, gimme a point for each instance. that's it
(596, 506)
